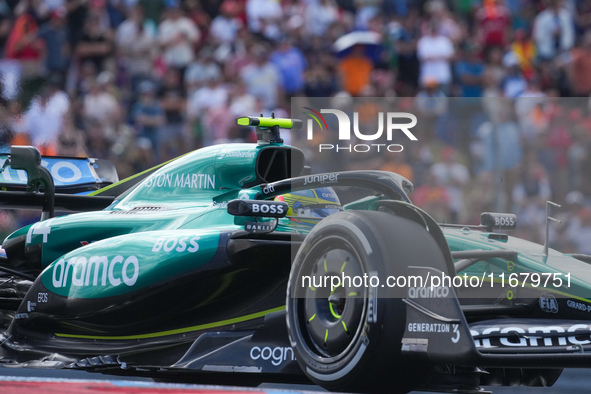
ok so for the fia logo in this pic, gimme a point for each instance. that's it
(548, 303)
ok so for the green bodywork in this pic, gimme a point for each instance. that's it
(171, 222)
(530, 259)
(182, 205)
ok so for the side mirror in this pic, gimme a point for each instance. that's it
(498, 221)
(258, 208)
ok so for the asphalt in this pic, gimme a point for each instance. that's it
(574, 381)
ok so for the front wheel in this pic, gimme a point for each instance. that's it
(347, 336)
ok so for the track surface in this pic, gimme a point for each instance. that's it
(35, 381)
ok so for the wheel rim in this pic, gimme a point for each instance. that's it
(330, 318)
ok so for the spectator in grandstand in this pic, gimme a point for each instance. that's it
(217, 124)
(202, 70)
(149, 117)
(553, 30)
(433, 198)
(397, 163)
(44, 118)
(23, 43)
(263, 17)
(96, 143)
(292, 65)
(454, 176)
(432, 105)
(405, 35)
(102, 106)
(529, 107)
(7, 131)
(136, 44)
(524, 50)
(77, 11)
(439, 16)
(494, 68)
(531, 192)
(173, 100)
(365, 11)
(578, 68)
(435, 52)
(200, 16)
(6, 20)
(319, 82)
(178, 35)
(578, 156)
(514, 84)
(241, 101)
(55, 35)
(582, 17)
(16, 123)
(493, 24)
(499, 151)
(554, 144)
(95, 44)
(319, 16)
(224, 27)
(70, 140)
(102, 10)
(576, 223)
(153, 9)
(210, 95)
(469, 71)
(262, 78)
(493, 102)
(354, 70)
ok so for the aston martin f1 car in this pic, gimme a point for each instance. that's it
(214, 268)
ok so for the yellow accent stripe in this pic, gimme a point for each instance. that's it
(312, 318)
(104, 189)
(325, 269)
(343, 266)
(326, 335)
(206, 326)
(344, 325)
(302, 199)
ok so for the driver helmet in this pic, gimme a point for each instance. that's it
(308, 206)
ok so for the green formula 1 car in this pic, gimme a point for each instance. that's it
(236, 264)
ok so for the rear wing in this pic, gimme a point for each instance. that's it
(30, 181)
(71, 175)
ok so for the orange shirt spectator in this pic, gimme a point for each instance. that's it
(401, 168)
(355, 70)
(433, 198)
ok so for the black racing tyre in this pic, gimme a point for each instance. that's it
(348, 338)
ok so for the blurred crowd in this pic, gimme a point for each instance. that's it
(142, 81)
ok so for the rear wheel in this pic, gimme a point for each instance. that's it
(347, 337)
